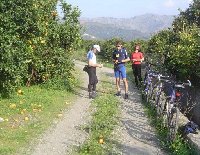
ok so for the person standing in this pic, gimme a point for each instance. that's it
(120, 57)
(92, 64)
(136, 58)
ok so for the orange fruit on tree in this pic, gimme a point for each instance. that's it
(54, 13)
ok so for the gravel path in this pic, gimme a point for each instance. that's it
(66, 134)
(136, 135)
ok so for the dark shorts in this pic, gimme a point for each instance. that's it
(120, 71)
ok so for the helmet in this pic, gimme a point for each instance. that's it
(97, 47)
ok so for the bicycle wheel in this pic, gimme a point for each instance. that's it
(144, 93)
(160, 103)
(165, 113)
(154, 95)
(173, 123)
(149, 92)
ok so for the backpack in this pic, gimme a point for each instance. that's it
(191, 127)
(86, 68)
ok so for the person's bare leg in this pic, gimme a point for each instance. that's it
(125, 85)
(126, 88)
(118, 84)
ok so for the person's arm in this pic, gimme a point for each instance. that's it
(142, 57)
(90, 63)
(126, 57)
(115, 61)
(94, 65)
(126, 60)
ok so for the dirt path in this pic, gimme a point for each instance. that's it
(61, 138)
(137, 137)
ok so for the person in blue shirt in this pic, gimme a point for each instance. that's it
(120, 57)
(92, 64)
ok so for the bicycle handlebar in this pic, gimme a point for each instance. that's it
(189, 83)
(182, 85)
(162, 76)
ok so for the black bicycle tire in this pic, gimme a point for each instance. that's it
(173, 124)
(165, 114)
(146, 93)
(158, 107)
(149, 91)
(153, 95)
(160, 104)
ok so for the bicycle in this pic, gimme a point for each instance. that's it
(158, 95)
(148, 82)
(171, 108)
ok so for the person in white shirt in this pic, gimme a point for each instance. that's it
(92, 63)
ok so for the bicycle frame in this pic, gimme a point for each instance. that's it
(148, 85)
(172, 108)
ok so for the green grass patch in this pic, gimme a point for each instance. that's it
(28, 114)
(103, 123)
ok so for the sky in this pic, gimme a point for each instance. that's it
(128, 8)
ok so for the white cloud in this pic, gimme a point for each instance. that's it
(169, 4)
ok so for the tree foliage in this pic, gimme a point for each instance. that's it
(34, 45)
(179, 47)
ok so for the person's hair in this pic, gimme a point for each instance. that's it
(118, 43)
(139, 46)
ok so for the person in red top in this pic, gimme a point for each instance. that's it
(136, 59)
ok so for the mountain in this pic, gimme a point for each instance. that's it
(138, 27)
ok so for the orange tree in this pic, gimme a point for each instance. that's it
(179, 46)
(35, 44)
(187, 51)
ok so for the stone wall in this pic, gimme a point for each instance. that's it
(190, 103)
(195, 106)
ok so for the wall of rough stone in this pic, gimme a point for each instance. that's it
(195, 112)
(190, 103)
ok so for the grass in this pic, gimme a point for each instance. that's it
(28, 115)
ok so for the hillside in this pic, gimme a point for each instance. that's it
(127, 28)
